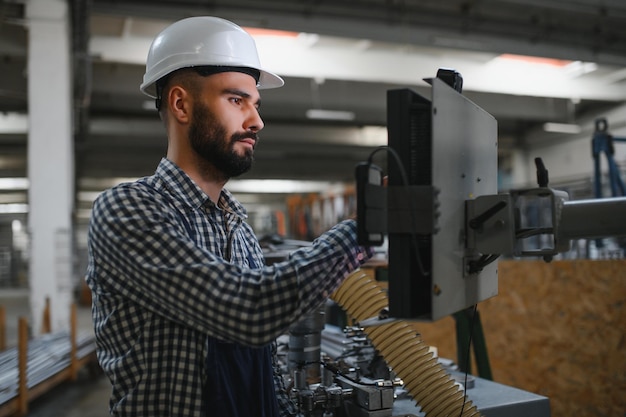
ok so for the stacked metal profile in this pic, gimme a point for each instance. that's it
(47, 355)
(434, 390)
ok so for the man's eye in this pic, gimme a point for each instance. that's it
(236, 100)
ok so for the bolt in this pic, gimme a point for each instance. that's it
(436, 289)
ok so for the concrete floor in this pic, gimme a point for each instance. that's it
(86, 397)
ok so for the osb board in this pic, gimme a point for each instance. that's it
(556, 329)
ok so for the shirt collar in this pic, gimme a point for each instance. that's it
(185, 189)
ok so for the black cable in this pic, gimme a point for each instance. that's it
(528, 232)
(336, 371)
(478, 265)
(405, 182)
(467, 357)
(347, 353)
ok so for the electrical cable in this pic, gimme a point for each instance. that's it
(525, 233)
(467, 356)
(337, 371)
(478, 265)
(405, 183)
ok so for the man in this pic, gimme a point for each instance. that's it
(184, 309)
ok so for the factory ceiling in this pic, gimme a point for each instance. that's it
(527, 62)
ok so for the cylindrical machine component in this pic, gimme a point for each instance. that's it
(307, 401)
(334, 397)
(305, 338)
(327, 377)
(299, 380)
(596, 218)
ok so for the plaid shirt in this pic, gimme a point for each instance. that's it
(168, 267)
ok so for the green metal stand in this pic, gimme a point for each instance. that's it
(464, 325)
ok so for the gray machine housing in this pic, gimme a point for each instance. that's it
(442, 152)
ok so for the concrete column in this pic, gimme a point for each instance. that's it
(50, 161)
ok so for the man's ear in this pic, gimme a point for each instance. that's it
(179, 104)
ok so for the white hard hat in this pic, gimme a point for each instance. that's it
(203, 41)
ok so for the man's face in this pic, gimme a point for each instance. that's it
(210, 140)
(224, 133)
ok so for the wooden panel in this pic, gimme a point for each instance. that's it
(556, 329)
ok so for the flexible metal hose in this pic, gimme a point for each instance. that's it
(434, 390)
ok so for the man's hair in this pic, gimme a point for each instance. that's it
(184, 77)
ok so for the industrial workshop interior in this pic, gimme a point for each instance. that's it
(480, 146)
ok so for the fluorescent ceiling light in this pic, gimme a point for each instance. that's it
(13, 208)
(13, 123)
(319, 114)
(562, 128)
(9, 184)
(579, 68)
(270, 32)
(279, 186)
(553, 62)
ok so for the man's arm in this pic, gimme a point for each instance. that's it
(140, 251)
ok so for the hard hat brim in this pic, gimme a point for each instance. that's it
(267, 80)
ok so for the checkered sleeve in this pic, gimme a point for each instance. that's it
(142, 252)
(321, 268)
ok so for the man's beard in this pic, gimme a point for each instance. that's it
(209, 140)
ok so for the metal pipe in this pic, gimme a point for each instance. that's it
(595, 218)
(305, 339)
(46, 355)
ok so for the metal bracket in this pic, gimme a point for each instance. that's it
(401, 209)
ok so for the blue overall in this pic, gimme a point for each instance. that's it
(240, 380)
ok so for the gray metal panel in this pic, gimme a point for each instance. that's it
(497, 400)
(492, 400)
(465, 165)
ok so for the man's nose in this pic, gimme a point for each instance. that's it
(254, 122)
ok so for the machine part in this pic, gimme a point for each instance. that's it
(367, 173)
(203, 41)
(328, 398)
(368, 396)
(542, 222)
(434, 391)
(304, 345)
(585, 219)
(538, 222)
(451, 77)
(490, 224)
(426, 135)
